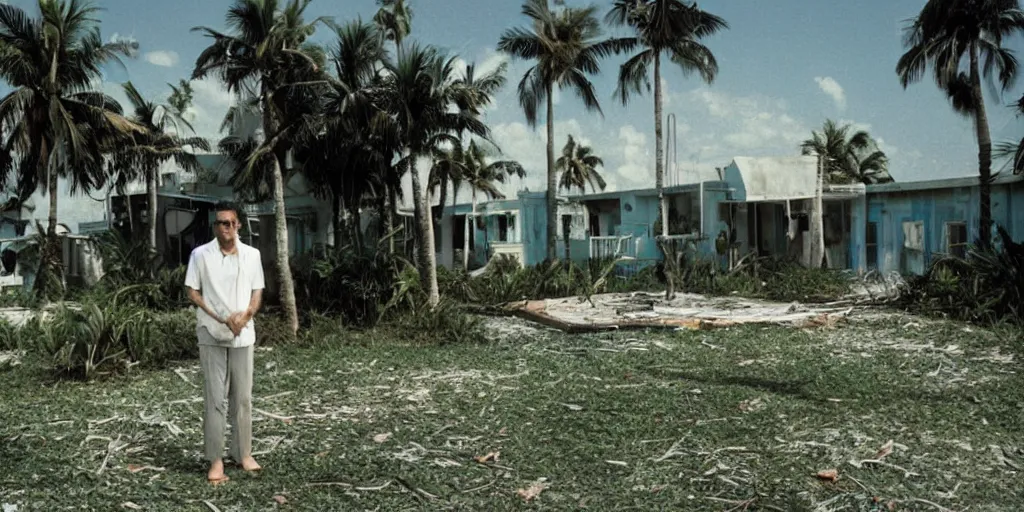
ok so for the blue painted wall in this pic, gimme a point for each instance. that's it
(935, 208)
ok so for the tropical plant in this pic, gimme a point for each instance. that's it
(56, 124)
(565, 48)
(141, 155)
(1012, 152)
(963, 40)
(848, 158)
(421, 96)
(578, 168)
(663, 27)
(267, 49)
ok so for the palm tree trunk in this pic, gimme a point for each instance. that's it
(336, 217)
(424, 227)
(392, 216)
(465, 239)
(552, 238)
(151, 214)
(50, 264)
(282, 260)
(984, 153)
(659, 182)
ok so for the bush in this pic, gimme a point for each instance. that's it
(779, 279)
(98, 340)
(132, 274)
(985, 287)
(348, 283)
(444, 325)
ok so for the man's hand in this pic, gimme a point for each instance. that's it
(236, 322)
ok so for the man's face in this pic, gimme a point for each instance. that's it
(226, 226)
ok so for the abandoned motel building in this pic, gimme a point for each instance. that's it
(756, 206)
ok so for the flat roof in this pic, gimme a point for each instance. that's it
(966, 181)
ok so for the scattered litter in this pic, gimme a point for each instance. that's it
(828, 474)
(8, 507)
(533, 490)
(490, 457)
(11, 358)
(127, 504)
(752, 405)
(281, 500)
(380, 438)
(618, 463)
(885, 451)
(573, 407)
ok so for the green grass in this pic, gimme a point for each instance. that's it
(714, 420)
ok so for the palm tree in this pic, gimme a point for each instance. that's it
(353, 145)
(57, 125)
(1013, 152)
(578, 168)
(267, 48)
(565, 48)
(394, 22)
(473, 166)
(421, 99)
(848, 158)
(950, 35)
(142, 155)
(663, 27)
(476, 91)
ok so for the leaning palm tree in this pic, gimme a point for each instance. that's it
(578, 168)
(141, 155)
(564, 44)
(57, 125)
(267, 48)
(481, 174)
(421, 99)
(951, 35)
(848, 158)
(663, 27)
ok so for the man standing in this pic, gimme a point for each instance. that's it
(225, 282)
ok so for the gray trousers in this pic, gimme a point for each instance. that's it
(227, 377)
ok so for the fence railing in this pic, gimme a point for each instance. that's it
(614, 247)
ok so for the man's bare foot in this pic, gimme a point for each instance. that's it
(216, 474)
(250, 464)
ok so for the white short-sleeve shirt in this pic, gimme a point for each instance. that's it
(226, 283)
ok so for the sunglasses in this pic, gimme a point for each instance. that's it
(225, 223)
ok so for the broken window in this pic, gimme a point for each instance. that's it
(871, 244)
(956, 239)
(913, 235)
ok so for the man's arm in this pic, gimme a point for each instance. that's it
(197, 299)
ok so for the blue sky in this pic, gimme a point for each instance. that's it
(785, 66)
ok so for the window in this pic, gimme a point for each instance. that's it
(503, 228)
(913, 235)
(956, 239)
(871, 244)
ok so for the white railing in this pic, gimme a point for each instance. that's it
(614, 247)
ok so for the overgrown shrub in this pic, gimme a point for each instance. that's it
(133, 274)
(779, 279)
(347, 283)
(446, 324)
(100, 339)
(986, 286)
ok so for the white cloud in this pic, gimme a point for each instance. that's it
(829, 86)
(167, 59)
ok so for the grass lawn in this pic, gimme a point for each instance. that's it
(736, 419)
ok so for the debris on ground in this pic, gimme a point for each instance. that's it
(612, 311)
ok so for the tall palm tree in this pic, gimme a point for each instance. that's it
(141, 155)
(353, 144)
(58, 126)
(951, 35)
(663, 27)
(267, 47)
(1013, 152)
(564, 44)
(421, 99)
(394, 22)
(848, 158)
(578, 168)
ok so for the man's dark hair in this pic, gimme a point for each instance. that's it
(228, 206)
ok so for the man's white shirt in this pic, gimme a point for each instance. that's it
(215, 275)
